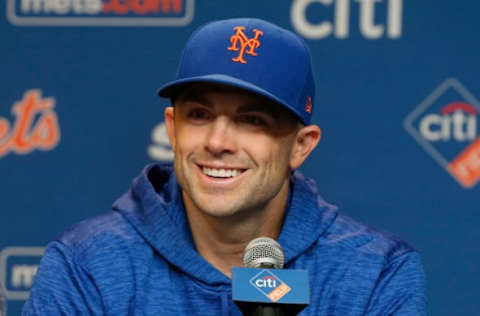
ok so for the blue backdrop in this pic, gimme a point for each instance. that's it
(397, 88)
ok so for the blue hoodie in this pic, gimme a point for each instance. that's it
(139, 259)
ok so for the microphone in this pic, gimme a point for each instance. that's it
(264, 252)
(263, 287)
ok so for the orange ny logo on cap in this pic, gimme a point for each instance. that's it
(251, 43)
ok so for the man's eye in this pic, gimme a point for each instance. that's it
(198, 114)
(253, 120)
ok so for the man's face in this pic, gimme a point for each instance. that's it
(233, 149)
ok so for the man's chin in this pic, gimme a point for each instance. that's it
(219, 211)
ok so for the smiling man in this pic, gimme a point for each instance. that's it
(239, 126)
(234, 152)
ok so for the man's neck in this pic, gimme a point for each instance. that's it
(222, 240)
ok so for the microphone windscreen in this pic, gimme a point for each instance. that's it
(263, 252)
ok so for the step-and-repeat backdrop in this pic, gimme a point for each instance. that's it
(397, 85)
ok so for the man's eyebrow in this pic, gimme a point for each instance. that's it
(195, 96)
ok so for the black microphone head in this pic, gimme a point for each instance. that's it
(263, 252)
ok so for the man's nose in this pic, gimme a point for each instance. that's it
(220, 137)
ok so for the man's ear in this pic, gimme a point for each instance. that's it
(306, 140)
(170, 125)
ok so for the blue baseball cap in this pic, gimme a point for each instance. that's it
(253, 55)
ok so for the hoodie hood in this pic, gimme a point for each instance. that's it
(154, 207)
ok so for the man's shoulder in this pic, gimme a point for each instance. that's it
(338, 234)
(100, 232)
(129, 226)
(362, 240)
(382, 272)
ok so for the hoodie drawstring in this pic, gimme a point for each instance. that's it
(225, 304)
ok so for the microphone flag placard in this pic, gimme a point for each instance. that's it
(279, 286)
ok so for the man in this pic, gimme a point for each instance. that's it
(239, 127)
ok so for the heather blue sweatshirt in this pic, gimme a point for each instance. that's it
(139, 259)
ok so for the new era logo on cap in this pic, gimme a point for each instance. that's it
(308, 106)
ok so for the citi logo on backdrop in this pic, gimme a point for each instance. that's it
(35, 125)
(446, 125)
(100, 12)
(336, 18)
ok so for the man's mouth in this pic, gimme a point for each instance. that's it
(221, 173)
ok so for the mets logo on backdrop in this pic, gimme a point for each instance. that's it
(18, 266)
(239, 38)
(270, 285)
(160, 148)
(100, 12)
(446, 125)
(35, 125)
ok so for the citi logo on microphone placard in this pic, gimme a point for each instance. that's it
(446, 125)
(100, 12)
(270, 285)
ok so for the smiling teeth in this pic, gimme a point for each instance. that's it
(221, 173)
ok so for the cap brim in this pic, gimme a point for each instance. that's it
(172, 88)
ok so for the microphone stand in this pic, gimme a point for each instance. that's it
(268, 309)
